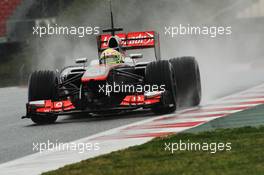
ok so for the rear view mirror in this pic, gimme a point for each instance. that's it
(136, 55)
(81, 60)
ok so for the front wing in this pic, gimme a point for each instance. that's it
(130, 102)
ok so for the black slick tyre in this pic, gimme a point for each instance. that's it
(161, 73)
(42, 86)
(187, 74)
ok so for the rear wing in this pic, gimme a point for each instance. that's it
(133, 40)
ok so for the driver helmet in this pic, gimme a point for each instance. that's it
(111, 56)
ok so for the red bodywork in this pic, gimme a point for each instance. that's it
(131, 40)
(98, 73)
(57, 106)
(49, 106)
(139, 100)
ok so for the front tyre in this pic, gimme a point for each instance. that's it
(187, 74)
(42, 85)
(161, 73)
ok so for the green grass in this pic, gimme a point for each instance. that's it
(246, 156)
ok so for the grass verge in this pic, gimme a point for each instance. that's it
(245, 157)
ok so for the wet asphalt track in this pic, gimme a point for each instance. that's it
(17, 135)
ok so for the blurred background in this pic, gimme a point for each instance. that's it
(228, 63)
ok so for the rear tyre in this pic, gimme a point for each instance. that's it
(43, 86)
(161, 73)
(187, 74)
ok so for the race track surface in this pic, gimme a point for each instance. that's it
(17, 135)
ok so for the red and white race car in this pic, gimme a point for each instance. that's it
(107, 87)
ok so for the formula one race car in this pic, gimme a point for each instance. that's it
(116, 82)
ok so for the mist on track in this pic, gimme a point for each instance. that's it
(228, 63)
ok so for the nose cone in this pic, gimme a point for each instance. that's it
(96, 73)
